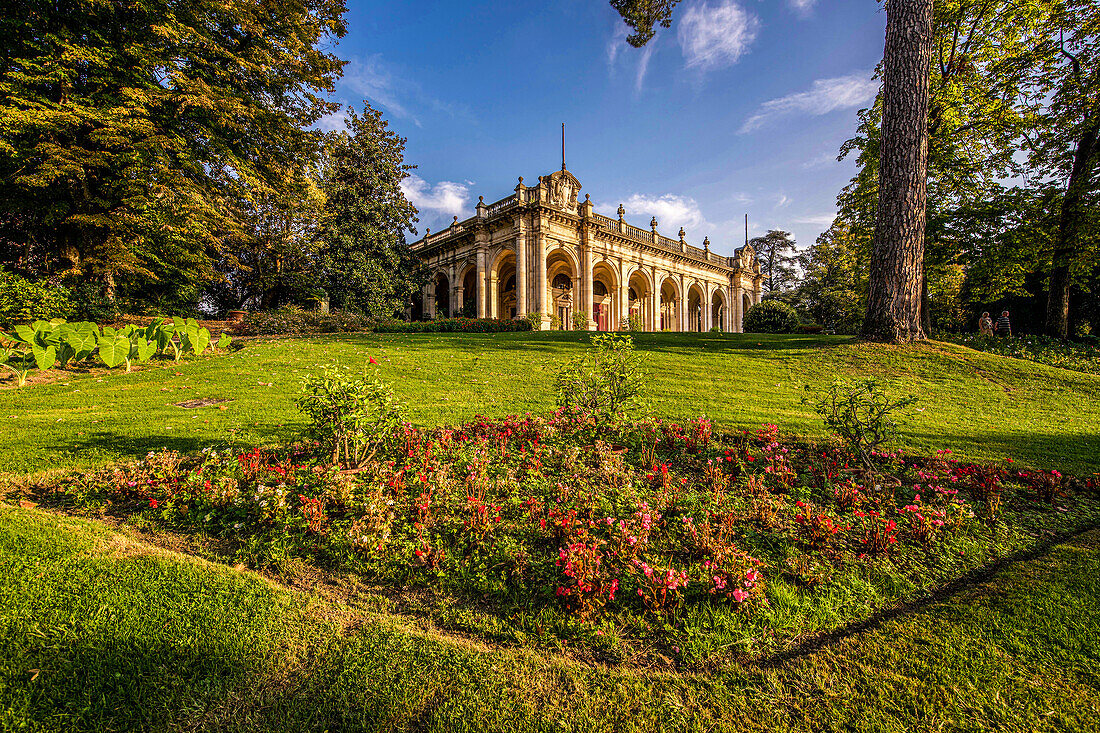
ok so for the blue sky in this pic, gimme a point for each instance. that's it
(740, 107)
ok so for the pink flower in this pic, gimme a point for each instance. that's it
(739, 595)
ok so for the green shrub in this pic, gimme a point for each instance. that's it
(352, 419)
(580, 320)
(863, 415)
(24, 301)
(535, 319)
(91, 304)
(297, 320)
(636, 322)
(455, 325)
(771, 316)
(606, 382)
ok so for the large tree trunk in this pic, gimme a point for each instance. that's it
(894, 300)
(1069, 226)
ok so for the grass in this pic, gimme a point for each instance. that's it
(981, 405)
(99, 631)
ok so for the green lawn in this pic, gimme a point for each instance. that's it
(980, 405)
(99, 632)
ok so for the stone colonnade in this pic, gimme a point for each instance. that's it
(542, 251)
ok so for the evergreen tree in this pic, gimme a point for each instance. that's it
(775, 253)
(129, 128)
(367, 265)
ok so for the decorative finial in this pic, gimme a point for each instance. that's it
(653, 223)
(481, 199)
(427, 231)
(622, 211)
(521, 179)
(586, 198)
(682, 233)
(455, 222)
(706, 242)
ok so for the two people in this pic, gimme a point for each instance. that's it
(1003, 326)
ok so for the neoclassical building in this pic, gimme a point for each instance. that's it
(541, 250)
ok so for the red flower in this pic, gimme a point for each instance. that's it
(372, 360)
(153, 503)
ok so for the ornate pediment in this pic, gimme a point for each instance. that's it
(563, 188)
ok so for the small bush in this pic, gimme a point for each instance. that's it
(24, 301)
(90, 303)
(296, 320)
(771, 316)
(863, 415)
(606, 382)
(535, 319)
(352, 419)
(637, 323)
(580, 320)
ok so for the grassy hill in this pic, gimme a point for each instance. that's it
(99, 631)
(980, 405)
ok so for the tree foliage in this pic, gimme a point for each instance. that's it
(366, 263)
(775, 253)
(130, 129)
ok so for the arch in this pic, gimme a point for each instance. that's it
(605, 304)
(746, 303)
(640, 299)
(719, 310)
(670, 305)
(696, 301)
(502, 285)
(466, 296)
(562, 269)
(441, 292)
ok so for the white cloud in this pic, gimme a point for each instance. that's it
(819, 220)
(672, 212)
(616, 44)
(802, 7)
(712, 37)
(446, 197)
(643, 65)
(781, 200)
(820, 161)
(824, 96)
(371, 78)
(332, 121)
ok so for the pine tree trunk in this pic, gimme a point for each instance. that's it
(894, 300)
(1069, 226)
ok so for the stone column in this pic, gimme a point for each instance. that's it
(540, 279)
(683, 320)
(521, 266)
(624, 300)
(736, 312)
(586, 283)
(655, 302)
(707, 306)
(493, 306)
(451, 285)
(482, 312)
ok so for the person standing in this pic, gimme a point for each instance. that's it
(985, 325)
(1004, 326)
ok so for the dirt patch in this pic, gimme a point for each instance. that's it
(202, 402)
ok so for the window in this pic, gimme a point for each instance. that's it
(562, 281)
(599, 289)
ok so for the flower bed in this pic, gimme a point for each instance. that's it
(1043, 349)
(656, 542)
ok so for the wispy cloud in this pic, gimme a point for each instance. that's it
(782, 200)
(444, 198)
(802, 7)
(820, 161)
(370, 77)
(819, 220)
(643, 65)
(824, 96)
(617, 45)
(332, 121)
(713, 37)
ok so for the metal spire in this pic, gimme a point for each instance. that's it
(563, 146)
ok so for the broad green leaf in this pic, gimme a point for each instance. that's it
(145, 350)
(178, 322)
(200, 341)
(114, 349)
(24, 334)
(224, 341)
(44, 356)
(65, 353)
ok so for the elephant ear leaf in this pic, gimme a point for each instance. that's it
(146, 349)
(114, 349)
(44, 356)
(65, 353)
(200, 340)
(83, 341)
(224, 341)
(24, 334)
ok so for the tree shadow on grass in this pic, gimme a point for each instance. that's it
(947, 591)
(1072, 452)
(138, 446)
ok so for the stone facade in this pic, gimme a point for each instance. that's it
(542, 250)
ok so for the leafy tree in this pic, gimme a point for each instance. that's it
(1064, 97)
(833, 290)
(128, 128)
(367, 265)
(775, 253)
